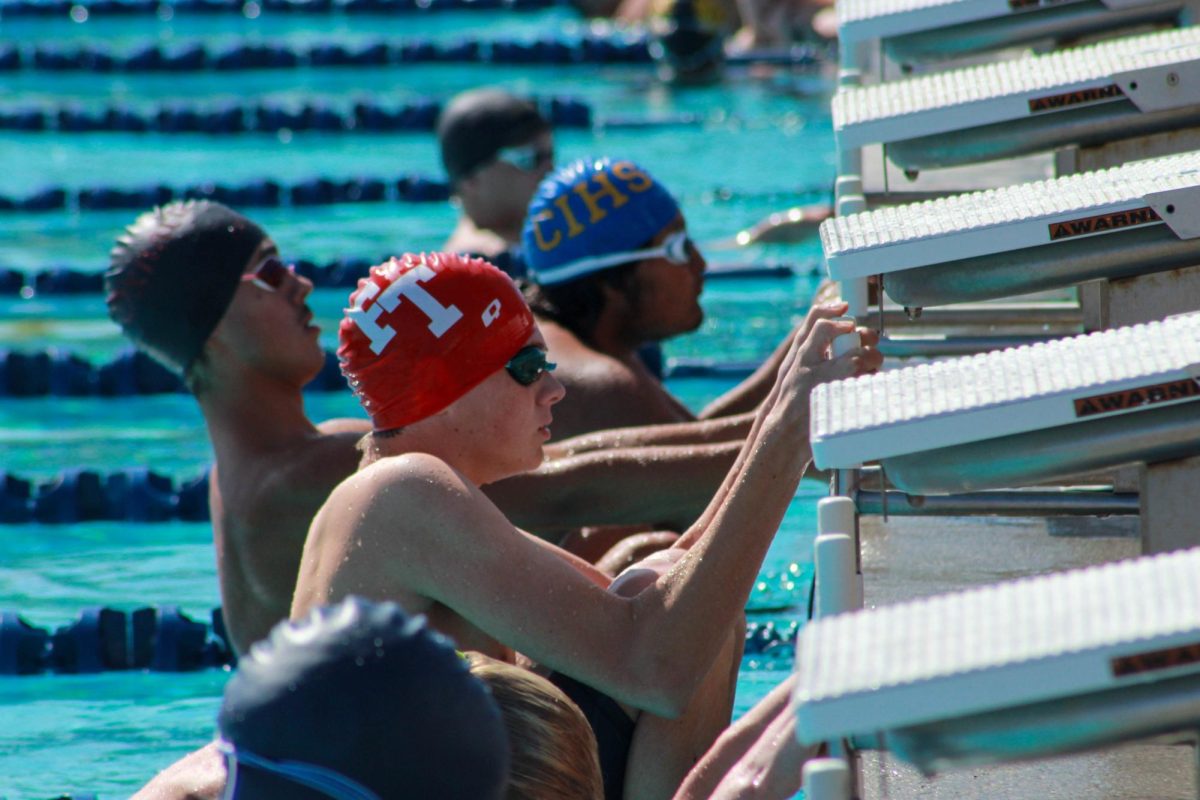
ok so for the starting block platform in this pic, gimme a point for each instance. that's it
(1014, 417)
(923, 30)
(1038, 666)
(1087, 95)
(1135, 219)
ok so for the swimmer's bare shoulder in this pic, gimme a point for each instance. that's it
(394, 530)
(302, 478)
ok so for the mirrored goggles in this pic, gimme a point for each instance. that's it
(270, 274)
(528, 365)
(528, 157)
(676, 248)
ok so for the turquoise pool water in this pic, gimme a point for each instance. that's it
(762, 144)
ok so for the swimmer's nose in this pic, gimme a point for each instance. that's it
(551, 388)
(304, 286)
(696, 261)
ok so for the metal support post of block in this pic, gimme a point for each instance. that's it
(1168, 518)
(827, 779)
(834, 557)
(837, 557)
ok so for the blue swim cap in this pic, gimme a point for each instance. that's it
(585, 215)
(360, 701)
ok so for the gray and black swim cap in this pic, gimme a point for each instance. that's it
(478, 124)
(356, 702)
(173, 273)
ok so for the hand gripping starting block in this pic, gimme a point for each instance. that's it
(1014, 417)
(1135, 219)
(1039, 666)
(914, 31)
(1117, 89)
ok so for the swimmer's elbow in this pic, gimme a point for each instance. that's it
(666, 684)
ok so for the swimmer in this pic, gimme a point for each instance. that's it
(495, 148)
(451, 367)
(612, 268)
(204, 290)
(355, 701)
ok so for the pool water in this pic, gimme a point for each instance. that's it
(761, 144)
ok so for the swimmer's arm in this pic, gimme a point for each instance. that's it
(762, 734)
(466, 556)
(658, 485)
(584, 568)
(650, 651)
(723, 429)
(603, 399)
(748, 394)
(863, 359)
(347, 425)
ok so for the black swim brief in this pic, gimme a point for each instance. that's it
(612, 726)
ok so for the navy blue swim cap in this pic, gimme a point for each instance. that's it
(588, 213)
(359, 701)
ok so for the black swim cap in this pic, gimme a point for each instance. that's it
(477, 125)
(362, 700)
(173, 273)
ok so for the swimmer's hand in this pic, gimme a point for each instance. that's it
(810, 360)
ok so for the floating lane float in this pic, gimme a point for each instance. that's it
(1135, 219)
(1018, 416)
(79, 12)
(1121, 88)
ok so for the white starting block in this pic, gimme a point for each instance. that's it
(1039, 666)
(914, 31)
(1135, 219)
(1015, 417)
(1117, 89)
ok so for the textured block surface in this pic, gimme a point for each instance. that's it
(964, 98)
(1036, 639)
(896, 238)
(992, 395)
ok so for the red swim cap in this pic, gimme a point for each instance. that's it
(423, 330)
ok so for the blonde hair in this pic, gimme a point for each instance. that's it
(553, 749)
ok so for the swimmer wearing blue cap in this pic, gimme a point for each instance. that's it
(612, 268)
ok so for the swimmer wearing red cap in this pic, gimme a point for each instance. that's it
(206, 291)
(451, 367)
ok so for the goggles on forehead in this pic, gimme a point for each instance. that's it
(527, 157)
(676, 248)
(328, 782)
(528, 365)
(269, 274)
